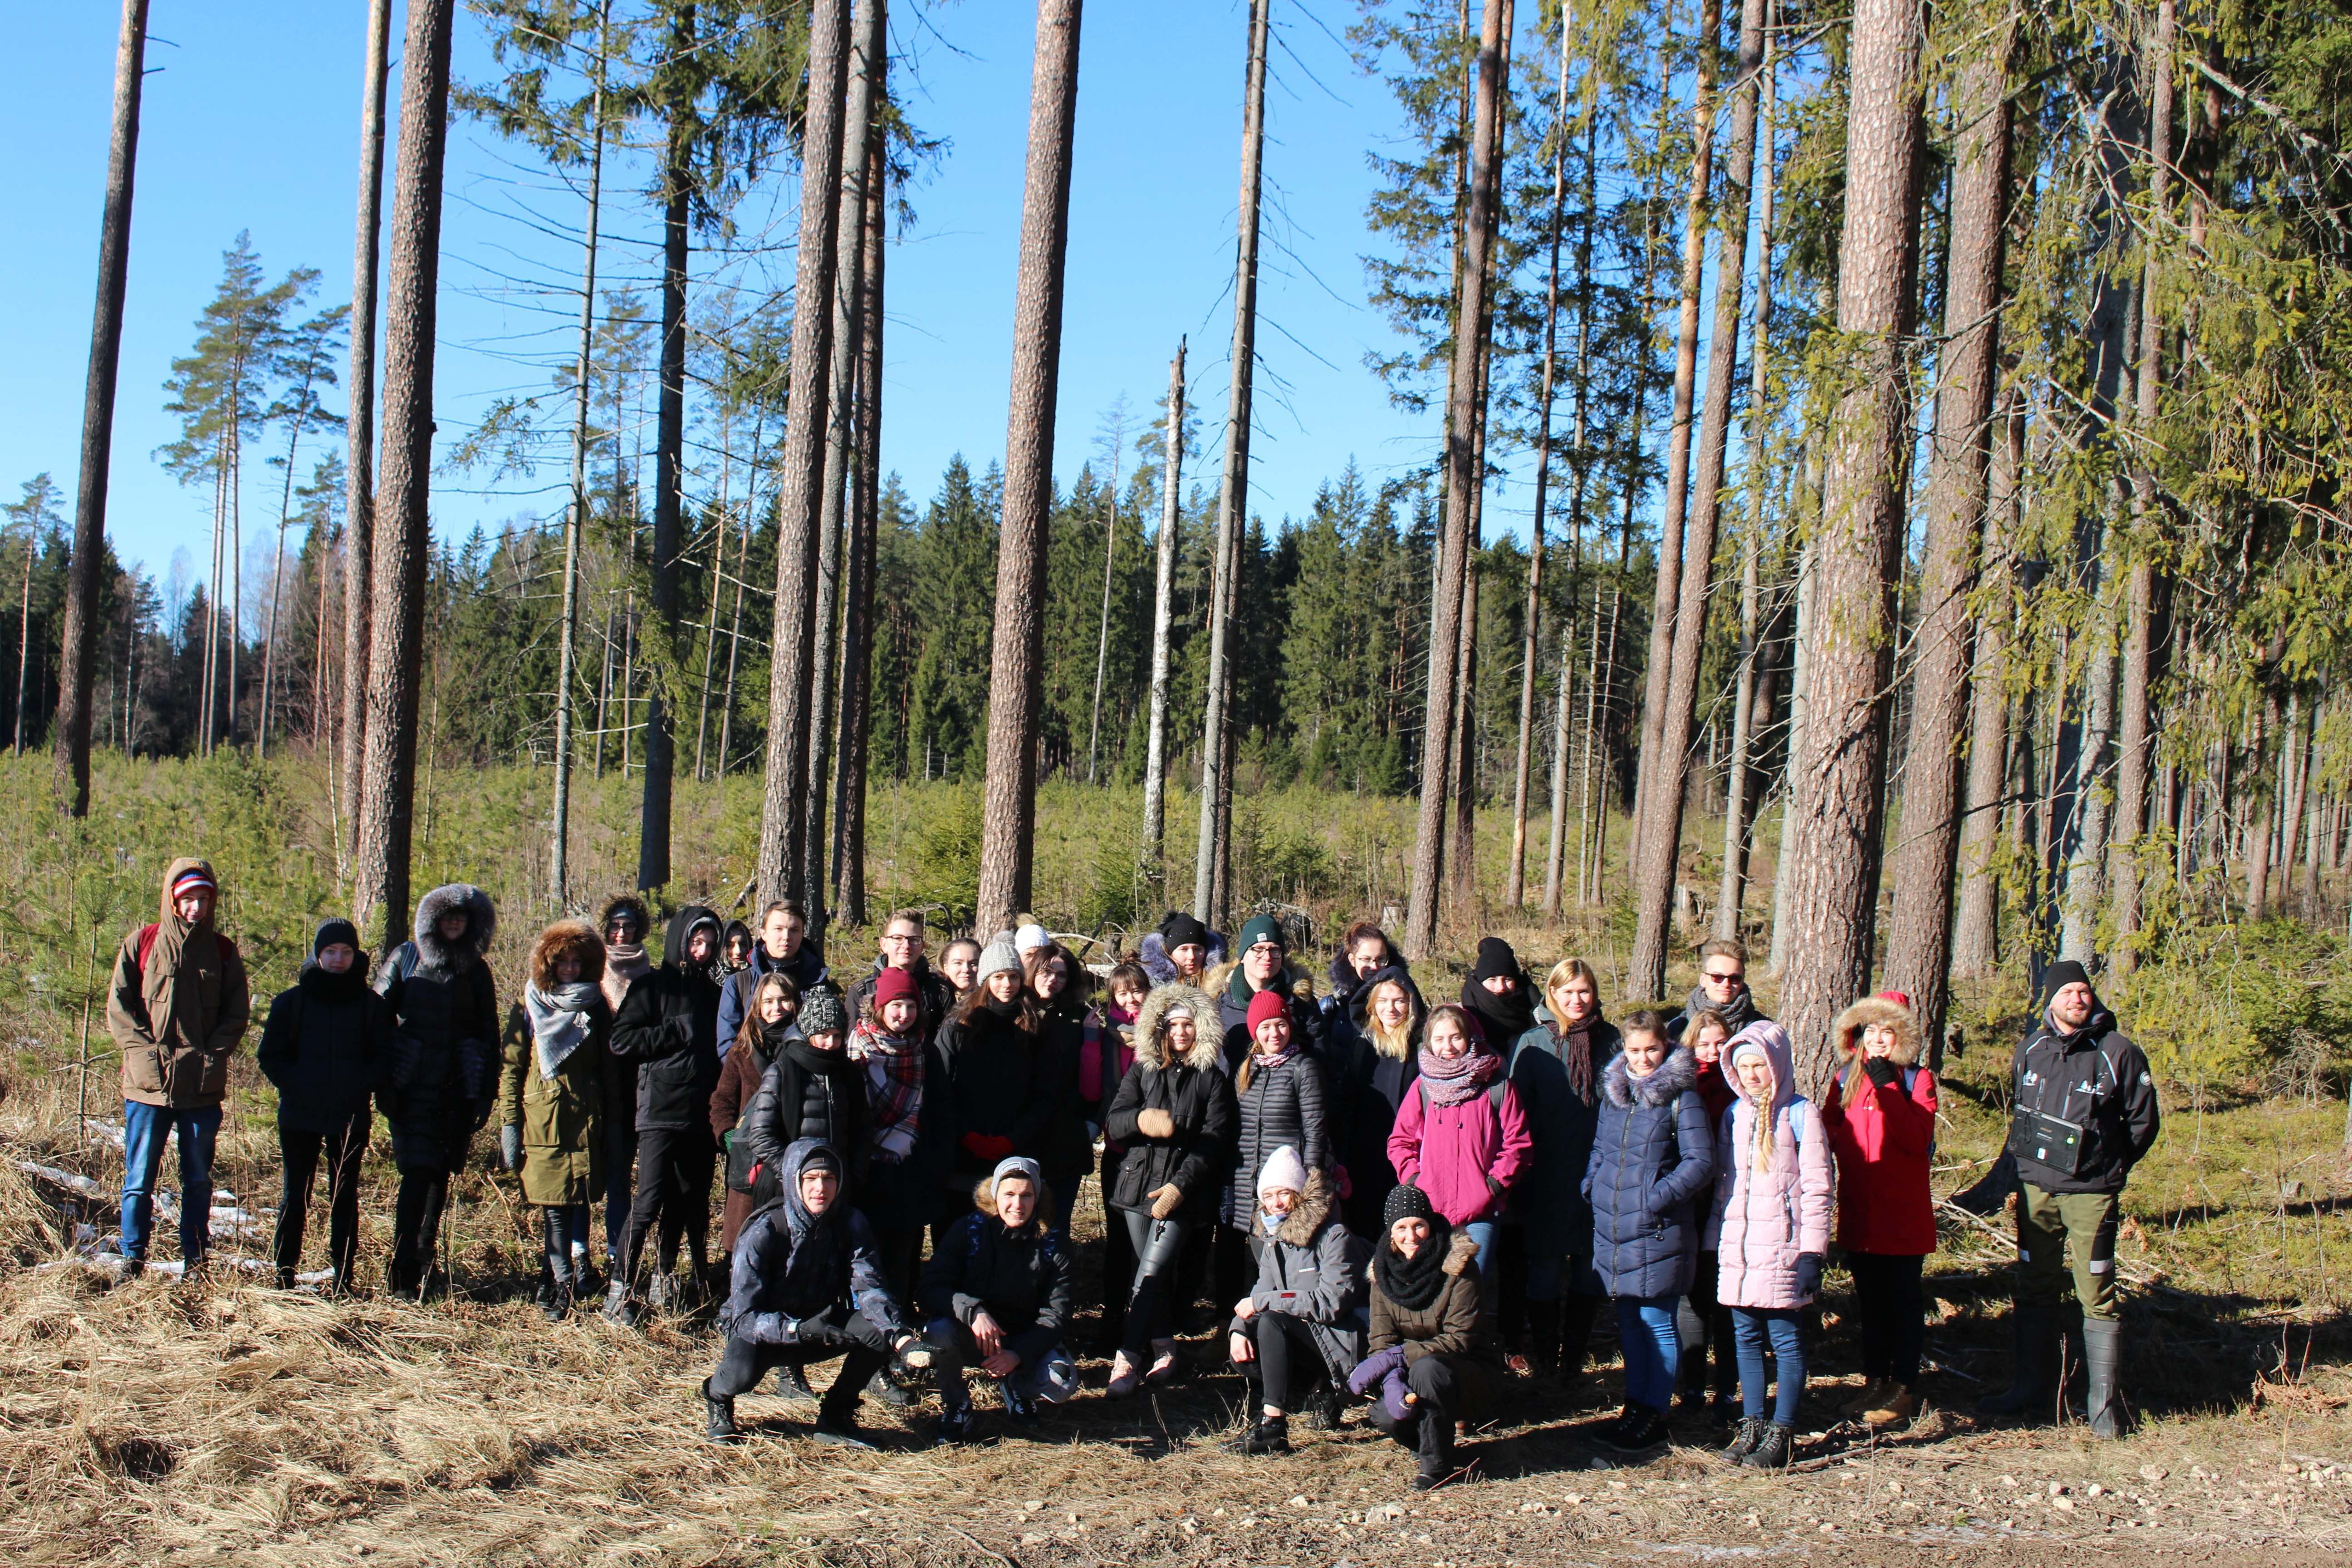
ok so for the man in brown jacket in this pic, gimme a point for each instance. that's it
(177, 1009)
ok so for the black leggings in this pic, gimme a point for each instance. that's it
(1157, 1244)
(1446, 1388)
(344, 1148)
(417, 1226)
(674, 1167)
(1887, 1306)
(1289, 1365)
(1707, 1325)
(863, 1345)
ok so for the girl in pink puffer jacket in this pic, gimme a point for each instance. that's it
(1769, 1230)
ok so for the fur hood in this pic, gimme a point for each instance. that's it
(567, 937)
(983, 1198)
(1208, 1035)
(1216, 981)
(1678, 1072)
(481, 922)
(1847, 1030)
(1307, 1215)
(1461, 1254)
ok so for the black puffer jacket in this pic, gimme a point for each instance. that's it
(1288, 1102)
(995, 1087)
(800, 1077)
(1064, 1149)
(323, 1047)
(665, 1026)
(443, 1069)
(798, 1276)
(2098, 1079)
(1198, 1155)
(1021, 1279)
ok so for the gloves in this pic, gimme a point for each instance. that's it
(1493, 1189)
(510, 1147)
(1809, 1273)
(1165, 1201)
(1882, 1071)
(1397, 1395)
(726, 1142)
(986, 1147)
(1372, 1369)
(1154, 1122)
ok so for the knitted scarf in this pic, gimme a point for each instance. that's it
(1574, 1046)
(1412, 1283)
(1462, 1078)
(894, 1083)
(559, 1021)
(623, 962)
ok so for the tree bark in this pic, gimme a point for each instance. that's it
(77, 672)
(866, 522)
(359, 464)
(1017, 661)
(1841, 780)
(1579, 470)
(1975, 932)
(388, 770)
(783, 869)
(1155, 753)
(1919, 933)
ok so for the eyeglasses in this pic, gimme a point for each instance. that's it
(1734, 978)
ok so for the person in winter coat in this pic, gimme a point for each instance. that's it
(997, 1097)
(551, 1096)
(1106, 1050)
(908, 1146)
(1364, 953)
(1880, 1115)
(772, 1023)
(1377, 1043)
(665, 1029)
(1062, 988)
(1653, 1157)
(804, 1287)
(1770, 1231)
(322, 1047)
(1264, 965)
(444, 1066)
(177, 1006)
(811, 1089)
(1722, 988)
(624, 925)
(1498, 993)
(2085, 1112)
(902, 939)
(1556, 1069)
(1283, 1100)
(1461, 1136)
(1183, 949)
(1301, 1332)
(1174, 1115)
(1429, 1361)
(998, 1293)
(784, 948)
(960, 961)
(736, 952)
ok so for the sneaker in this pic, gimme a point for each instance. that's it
(956, 1424)
(1126, 1376)
(1896, 1405)
(1873, 1394)
(1773, 1450)
(1268, 1434)
(1643, 1431)
(841, 1432)
(1743, 1442)
(1018, 1409)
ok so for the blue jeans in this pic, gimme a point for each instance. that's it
(1748, 1327)
(1482, 1231)
(1645, 1329)
(144, 1128)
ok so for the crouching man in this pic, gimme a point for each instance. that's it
(806, 1287)
(998, 1293)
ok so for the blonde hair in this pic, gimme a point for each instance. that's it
(1394, 1044)
(1569, 969)
(1762, 1145)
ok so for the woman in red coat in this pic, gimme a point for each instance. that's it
(1880, 1112)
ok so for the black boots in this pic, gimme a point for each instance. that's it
(1773, 1448)
(2034, 1394)
(1576, 1312)
(557, 1290)
(1436, 1452)
(1269, 1435)
(2103, 1344)
(719, 1411)
(1745, 1441)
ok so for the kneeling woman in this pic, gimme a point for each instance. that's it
(998, 1293)
(1431, 1362)
(1302, 1330)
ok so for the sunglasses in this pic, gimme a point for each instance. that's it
(1732, 979)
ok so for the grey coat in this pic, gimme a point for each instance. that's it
(1314, 1270)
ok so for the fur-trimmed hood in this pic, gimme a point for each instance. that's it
(1678, 1072)
(567, 936)
(481, 922)
(1219, 980)
(1461, 1252)
(1208, 1035)
(1299, 1227)
(983, 1198)
(1847, 1030)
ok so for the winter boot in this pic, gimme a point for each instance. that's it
(1746, 1441)
(1543, 1338)
(1269, 1435)
(2103, 1344)
(1641, 1430)
(2035, 1393)
(888, 1390)
(836, 1420)
(1576, 1312)
(1772, 1449)
(618, 1308)
(791, 1383)
(1436, 1448)
(721, 1410)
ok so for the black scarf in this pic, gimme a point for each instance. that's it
(826, 1064)
(1412, 1283)
(1575, 1048)
(1505, 1018)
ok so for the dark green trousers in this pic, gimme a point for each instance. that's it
(2056, 1228)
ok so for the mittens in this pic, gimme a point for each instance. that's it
(1882, 1071)
(1372, 1369)
(1397, 1395)
(1809, 1273)
(1166, 1200)
(510, 1147)
(1153, 1123)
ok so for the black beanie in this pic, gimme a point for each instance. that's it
(1495, 957)
(1407, 1202)
(1179, 928)
(2065, 973)
(332, 931)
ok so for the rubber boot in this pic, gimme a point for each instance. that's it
(719, 1410)
(2103, 1345)
(1436, 1448)
(2034, 1392)
(1543, 1337)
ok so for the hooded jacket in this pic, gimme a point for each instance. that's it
(178, 1004)
(1234, 993)
(561, 1118)
(1369, 1085)
(665, 1028)
(798, 1276)
(1884, 1138)
(1450, 1325)
(1020, 1278)
(1765, 1220)
(1547, 1200)
(323, 1047)
(805, 968)
(1197, 1156)
(1288, 1102)
(1653, 1157)
(2095, 1077)
(1312, 1268)
(444, 1073)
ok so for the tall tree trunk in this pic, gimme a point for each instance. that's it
(1016, 660)
(1660, 869)
(866, 522)
(77, 674)
(1462, 482)
(1975, 932)
(1579, 470)
(24, 645)
(359, 464)
(1841, 775)
(395, 638)
(1232, 489)
(2258, 842)
(1155, 752)
(1919, 933)
(718, 514)
(783, 871)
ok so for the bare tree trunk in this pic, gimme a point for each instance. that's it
(1555, 863)
(1974, 947)
(77, 673)
(1842, 777)
(1232, 489)
(857, 633)
(783, 871)
(2258, 842)
(24, 645)
(1017, 661)
(1462, 480)
(1919, 934)
(1155, 756)
(358, 465)
(395, 638)
(718, 513)
(742, 570)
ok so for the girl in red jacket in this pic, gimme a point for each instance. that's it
(1880, 1116)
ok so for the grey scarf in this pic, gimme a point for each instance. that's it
(559, 1021)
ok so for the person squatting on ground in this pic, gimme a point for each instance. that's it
(1653, 1157)
(2086, 1113)
(552, 1098)
(1301, 1330)
(443, 1074)
(665, 1028)
(805, 1288)
(1460, 1136)
(1769, 1229)
(1879, 1113)
(1429, 1361)
(322, 1048)
(176, 1007)
(998, 1293)
(1555, 1072)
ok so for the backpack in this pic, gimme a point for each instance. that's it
(147, 935)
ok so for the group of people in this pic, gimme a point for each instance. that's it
(1384, 1199)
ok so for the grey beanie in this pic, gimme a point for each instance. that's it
(821, 1013)
(999, 955)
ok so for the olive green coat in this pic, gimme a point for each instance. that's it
(562, 1117)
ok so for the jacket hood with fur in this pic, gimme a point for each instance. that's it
(1208, 1035)
(1461, 1252)
(1307, 1213)
(570, 937)
(1847, 1030)
(481, 921)
(1678, 1072)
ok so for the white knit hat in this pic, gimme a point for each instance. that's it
(1030, 936)
(1283, 1170)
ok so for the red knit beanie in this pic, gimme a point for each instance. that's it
(891, 985)
(1266, 1004)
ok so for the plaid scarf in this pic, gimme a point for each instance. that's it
(894, 1079)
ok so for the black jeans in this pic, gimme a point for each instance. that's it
(620, 1161)
(417, 1226)
(1289, 1365)
(674, 1167)
(1158, 1245)
(1887, 1306)
(344, 1148)
(863, 1344)
(1708, 1326)
(1118, 1261)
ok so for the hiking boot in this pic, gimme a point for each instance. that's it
(956, 1424)
(1872, 1396)
(2034, 1394)
(1895, 1405)
(792, 1382)
(839, 1429)
(719, 1411)
(1323, 1409)
(890, 1391)
(1773, 1450)
(1270, 1435)
(1641, 1430)
(1021, 1410)
(1745, 1441)
(2103, 1345)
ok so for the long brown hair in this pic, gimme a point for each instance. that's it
(773, 979)
(1026, 1013)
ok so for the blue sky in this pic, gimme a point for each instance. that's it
(250, 122)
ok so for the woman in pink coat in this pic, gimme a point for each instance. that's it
(1769, 1231)
(1460, 1135)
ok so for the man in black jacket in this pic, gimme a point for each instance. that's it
(665, 1026)
(2086, 1113)
(998, 1293)
(902, 943)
